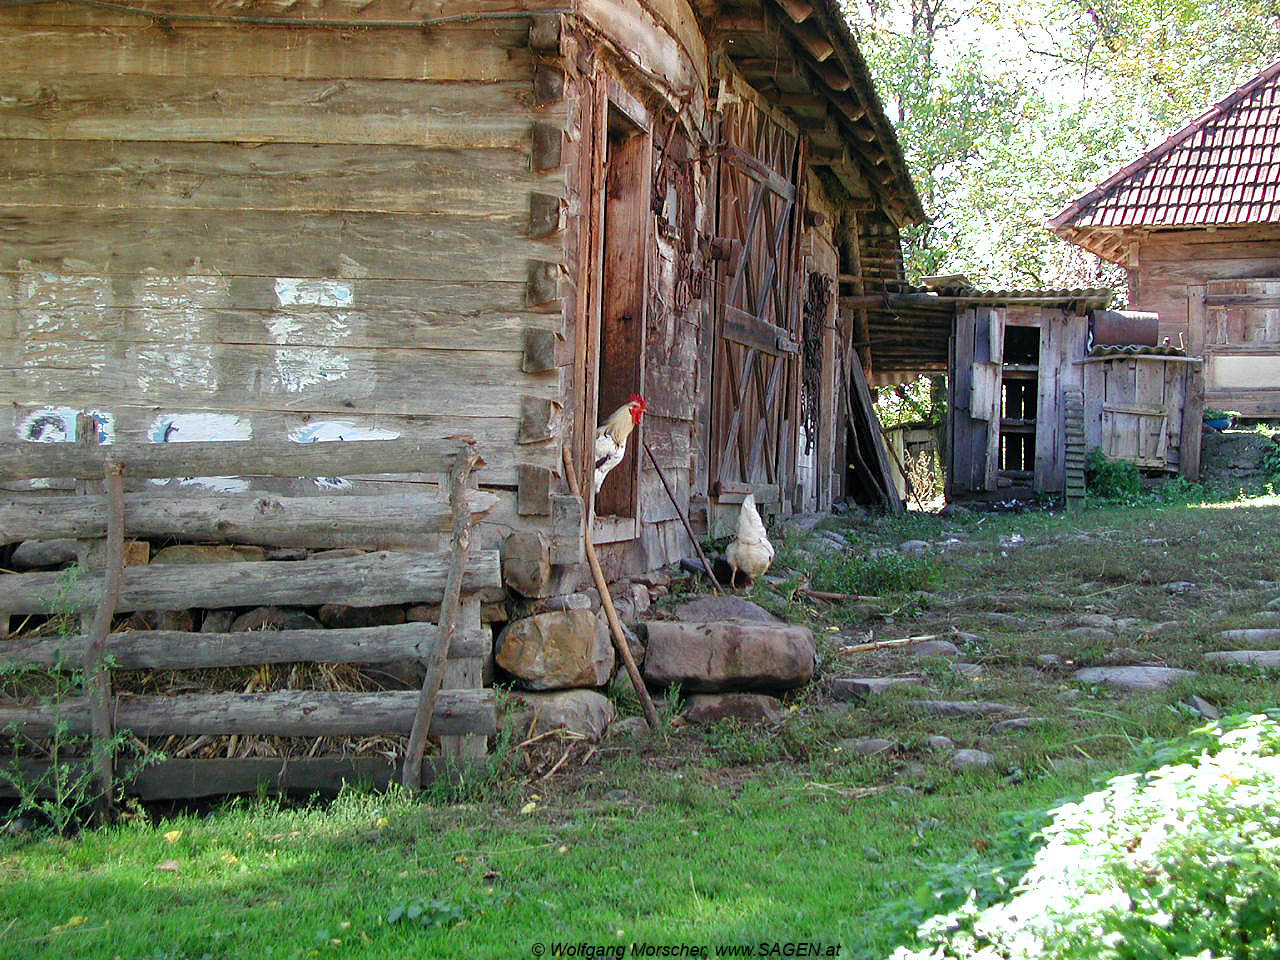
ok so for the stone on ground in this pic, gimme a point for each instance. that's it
(707, 609)
(1264, 659)
(915, 546)
(1274, 604)
(1251, 636)
(1018, 723)
(945, 744)
(1203, 707)
(275, 618)
(934, 648)
(583, 712)
(209, 553)
(629, 727)
(1164, 627)
(1133, 677)
(44, 553)
(973, 671)
(747, 707)
(971, 760)
(556, 651)
(869, 747)
(1179, 586)
(1126, 656)
(962, 708)
(1091, 633)
(859, 688)
(1049, 661)
(728, 656)
(337, 616)
(1098, 620)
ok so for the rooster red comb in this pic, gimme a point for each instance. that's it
(636, 398)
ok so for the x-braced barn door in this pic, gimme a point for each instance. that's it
(755, 376)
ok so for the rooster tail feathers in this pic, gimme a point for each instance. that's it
(750, 526)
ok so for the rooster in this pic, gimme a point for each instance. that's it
(611, 436)
(751, 552)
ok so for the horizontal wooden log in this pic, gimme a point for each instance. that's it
(138, 423)
(449, 52)
(174, 650)
(381, 522)
(257, 458)
(265, 110)
(283, 713)
(268, 176)
(191, 779)
(369, 580)
(273, 243)
(413, 12)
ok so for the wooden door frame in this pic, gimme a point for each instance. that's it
(608, 94)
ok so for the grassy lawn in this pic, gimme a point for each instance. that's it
(724, 835)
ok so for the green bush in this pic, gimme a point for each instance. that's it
(1179, 862)
(1112, 479)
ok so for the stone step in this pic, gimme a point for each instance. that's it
(1252, 635)
(963, 708)
(1132, 677)
(860, 688)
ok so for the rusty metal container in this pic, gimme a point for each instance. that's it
(1121, 328)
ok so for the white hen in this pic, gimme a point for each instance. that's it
(611, 437)
(751, 552)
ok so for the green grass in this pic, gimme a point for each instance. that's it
(728, 835)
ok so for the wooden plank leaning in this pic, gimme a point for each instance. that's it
(97, 673)
(615, 625)
(450, 609)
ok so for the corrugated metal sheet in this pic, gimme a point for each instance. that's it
(1222, 168)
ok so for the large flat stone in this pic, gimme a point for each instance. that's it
(1266, 659)
(727, 656)
(557, 650)
(1133, 677)
(709, 609)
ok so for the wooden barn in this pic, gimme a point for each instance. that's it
(1196, 221)
(331, 220)
(1037, 380)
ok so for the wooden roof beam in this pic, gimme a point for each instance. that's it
(798, 10)
(813, 38)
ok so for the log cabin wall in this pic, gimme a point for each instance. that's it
(234, 231)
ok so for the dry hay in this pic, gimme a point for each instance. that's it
(330, 677)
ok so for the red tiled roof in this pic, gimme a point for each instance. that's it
(1221, 168)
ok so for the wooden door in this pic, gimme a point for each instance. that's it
(1242, 345)
(755, 372)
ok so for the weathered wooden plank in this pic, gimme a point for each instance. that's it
(266, 110)
(305, 326)
(449, 52)
(190, 779)
(268, 176)
(284, 713)
(243, 376)
(495, 436)
(259, 458)
(173, 650)
(368, 580)
(270, 243)
(381, 522)
(412, 12)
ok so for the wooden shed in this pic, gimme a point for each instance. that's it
(1030, 393)
(1196, 221)
(339, 220)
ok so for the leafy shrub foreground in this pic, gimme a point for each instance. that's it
(1182, 861)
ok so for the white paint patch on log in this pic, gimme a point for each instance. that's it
(308, 292)
(327, 431)
(196, 427)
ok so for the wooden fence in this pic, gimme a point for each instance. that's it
(452, 703)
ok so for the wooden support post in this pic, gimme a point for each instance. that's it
(97, 674)
(683, 519)
(450, 606)
(615, 625)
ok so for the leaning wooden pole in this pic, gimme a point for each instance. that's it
(450, 611)
(97, 676)
(683, 519)
(615, 625)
